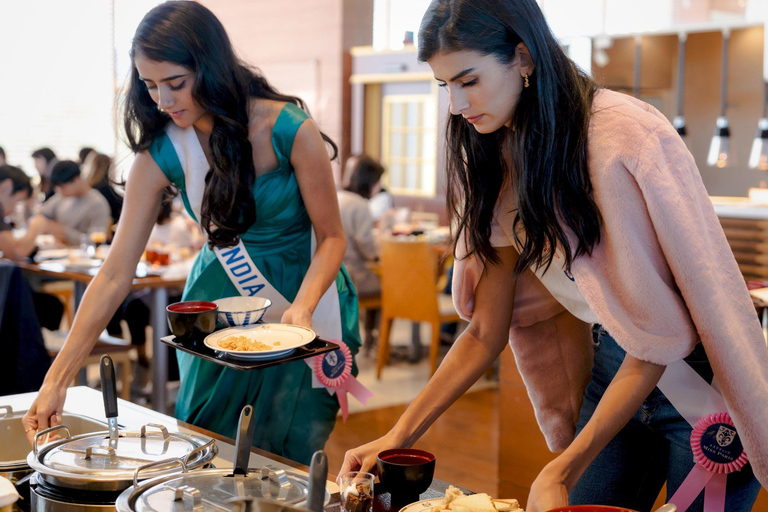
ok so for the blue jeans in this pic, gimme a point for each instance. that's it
(652, 448)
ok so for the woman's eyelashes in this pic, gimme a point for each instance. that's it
(152, 87)
(468, 83)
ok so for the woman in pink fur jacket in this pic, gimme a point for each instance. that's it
(585, 237)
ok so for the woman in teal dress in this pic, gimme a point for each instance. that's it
(253, 169)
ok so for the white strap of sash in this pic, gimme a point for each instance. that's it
(689, 393)
(250, 281)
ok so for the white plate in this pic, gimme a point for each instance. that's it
(289, 336)
(423, 505)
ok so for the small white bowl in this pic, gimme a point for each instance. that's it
(235, 311)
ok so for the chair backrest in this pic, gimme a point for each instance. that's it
(408, 274)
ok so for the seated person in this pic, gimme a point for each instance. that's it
(364, 177)
(96, 171)
(45, 159)
(76, 208)
(15, 187)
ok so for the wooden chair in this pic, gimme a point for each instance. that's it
(408, 291)
(120, 352)
(64, 291)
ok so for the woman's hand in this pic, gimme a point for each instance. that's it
(45, 411)
(363, 458)
(548, 491)
(297, 315)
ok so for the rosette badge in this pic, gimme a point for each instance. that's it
(717, 451)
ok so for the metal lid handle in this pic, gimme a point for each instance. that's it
(189, 459)
(48, 431)
(101, 451)
(161, 428)
(163, 462)
(8, 410)
(190, 496)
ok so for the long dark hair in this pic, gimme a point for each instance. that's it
(547, 139)
(187, 34)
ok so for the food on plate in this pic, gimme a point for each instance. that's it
(244, 344)
(457, 501)
(357, 498)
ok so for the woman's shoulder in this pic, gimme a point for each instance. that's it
(612, 108)
(621, 125)
(264, 113)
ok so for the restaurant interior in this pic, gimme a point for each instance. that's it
(65, 70)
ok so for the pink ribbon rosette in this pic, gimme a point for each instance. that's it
(334, 371)
(717, 451)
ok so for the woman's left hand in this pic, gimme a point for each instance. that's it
(548, 491)
(297, 315)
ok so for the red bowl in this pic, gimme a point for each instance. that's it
(591, 508)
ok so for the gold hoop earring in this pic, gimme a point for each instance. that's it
(526, 84)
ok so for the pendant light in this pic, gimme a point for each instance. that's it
(758, 157)
(679, 121)
(718, 149)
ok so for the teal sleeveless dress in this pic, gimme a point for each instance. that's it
(292, 418)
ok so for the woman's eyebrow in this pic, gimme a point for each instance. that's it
(174, 77)
(459, 75)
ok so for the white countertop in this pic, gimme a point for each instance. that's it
(89, 402)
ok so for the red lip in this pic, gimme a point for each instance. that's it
(474, 119)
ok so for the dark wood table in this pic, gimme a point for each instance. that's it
(159, 287)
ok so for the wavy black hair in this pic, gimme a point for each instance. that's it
(187, 34)
(547, 138)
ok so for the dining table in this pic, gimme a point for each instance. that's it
(147, 278)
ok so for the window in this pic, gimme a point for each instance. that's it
(409, 145)
(62, 65)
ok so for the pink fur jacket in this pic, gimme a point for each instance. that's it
(662, 279)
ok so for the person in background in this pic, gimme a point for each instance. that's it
(45, 159)
(83, 154)
(364, 178)
(585, 238)
(75, 209)
(16, 187)
(97, 171)
(380, 203)
(2, 156)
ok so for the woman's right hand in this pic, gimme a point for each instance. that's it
(45, 411)
(363, 458)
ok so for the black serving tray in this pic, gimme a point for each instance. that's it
(196, 347)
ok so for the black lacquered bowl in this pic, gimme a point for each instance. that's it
(405, 472)
(192, 320)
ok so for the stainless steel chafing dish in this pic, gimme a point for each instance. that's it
(88, 471)
(234, 489)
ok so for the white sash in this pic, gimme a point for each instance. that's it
(250, 281)
(689, 393)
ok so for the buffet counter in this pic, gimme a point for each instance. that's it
(88, 402)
